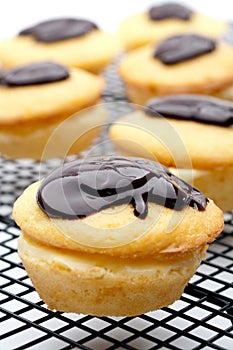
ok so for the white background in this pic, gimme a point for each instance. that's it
(18, 14)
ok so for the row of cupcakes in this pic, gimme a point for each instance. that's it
(39, 100)
(81, 43)
(184, 63)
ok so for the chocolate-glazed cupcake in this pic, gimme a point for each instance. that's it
(113, 236)
(186, 63)
(193, 134)
(161, 21)
(38, 106)
(70, 41)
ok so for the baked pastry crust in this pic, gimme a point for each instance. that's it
(112, 262)
(104, 286)
(91, 52)
(154, 31)
(146, 77)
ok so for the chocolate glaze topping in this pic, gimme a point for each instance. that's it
(170, 10)
(84, 187)
(33, 74)
(179, 48)
(59, 29)
(203, 109)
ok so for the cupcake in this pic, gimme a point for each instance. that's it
(186, 63)
(113, 236)
(69, 41)
(163, 20)
(38, 107)
(193, 134)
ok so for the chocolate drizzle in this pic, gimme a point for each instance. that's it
(179, 48)
(59, 29)
(203, 109)
(33, 74)
(84, 187)
(170, 10)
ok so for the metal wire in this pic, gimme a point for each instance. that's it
(202, 319)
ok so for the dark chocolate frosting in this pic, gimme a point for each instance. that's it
(179, 48)
(87, 186)
(33, 74)
(203, 109)
(59, 29)
(170, 10)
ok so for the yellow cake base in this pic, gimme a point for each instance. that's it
(93, 285)
(54, 139)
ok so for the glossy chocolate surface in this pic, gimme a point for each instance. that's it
(33, 74)
(203, 109)
(59, 29)
(179, 48)
(170, 10)
(87, 186)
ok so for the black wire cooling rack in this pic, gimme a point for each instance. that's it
(201, 319)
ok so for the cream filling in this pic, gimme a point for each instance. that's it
(86, 262)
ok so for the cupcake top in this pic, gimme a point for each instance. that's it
(199, 108)
(126, 207)
(179, 48)
(84, 187)
(160, 21)
(182, 131)
(27, 93)
(165, 68)
(59, 29)
(170, 10)
(34, 74)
